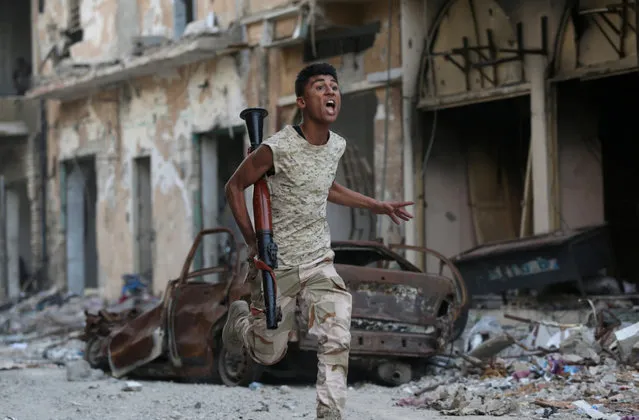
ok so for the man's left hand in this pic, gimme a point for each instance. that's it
(393, 209)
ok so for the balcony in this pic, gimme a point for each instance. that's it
(83, 81)
(18, 116)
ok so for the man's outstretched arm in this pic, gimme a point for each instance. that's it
(339, 194)
(248, 173)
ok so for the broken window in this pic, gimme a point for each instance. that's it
(183, 14)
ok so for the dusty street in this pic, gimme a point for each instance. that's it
(43, 376)
(45, 394)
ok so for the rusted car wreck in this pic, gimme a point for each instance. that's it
(401, 316)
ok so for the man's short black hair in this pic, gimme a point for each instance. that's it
(317, 69)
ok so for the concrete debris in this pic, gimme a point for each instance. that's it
(531, 369)
(202, 27)
(628, 343)
(132, 386)
(539, 370)
(592, 412)
(522, 386)
(48, 327)
(488, 327)
(80, 370)
(491, 347)
(46, 313)
(457, 400)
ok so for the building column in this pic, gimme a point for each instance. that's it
(4, 271)
(413, 33)
(541, 139)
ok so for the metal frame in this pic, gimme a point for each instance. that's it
(599, 17)
(464, 57)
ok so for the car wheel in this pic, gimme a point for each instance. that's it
(236, 369)
(92, 354)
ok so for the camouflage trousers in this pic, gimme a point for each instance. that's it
(325, 304)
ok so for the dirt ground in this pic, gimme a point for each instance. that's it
(45, 394)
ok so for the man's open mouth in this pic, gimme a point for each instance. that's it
(330, 105)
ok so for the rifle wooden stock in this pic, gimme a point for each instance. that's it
(266, 246)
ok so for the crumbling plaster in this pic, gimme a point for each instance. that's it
(97, 18)
(156, 17)
(99, 41)
(156, 117)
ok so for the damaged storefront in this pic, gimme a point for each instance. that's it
(517, 139)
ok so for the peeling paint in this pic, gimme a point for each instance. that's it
(153, 116)
(156, 18)
(157, 115)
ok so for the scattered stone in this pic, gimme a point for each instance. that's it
(627, 338)
(285, 389)
(593, 413)
(491, 347)
(132, 386)
(263, 407)
(198, 405)
(80, 370)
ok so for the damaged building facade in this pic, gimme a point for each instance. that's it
(21, 211)
(517, 121)
(500, 119)
(142, 109)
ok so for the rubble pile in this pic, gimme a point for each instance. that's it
(48, 327)
(43, 328)
(537, 369)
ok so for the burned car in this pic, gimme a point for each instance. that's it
(401, 316)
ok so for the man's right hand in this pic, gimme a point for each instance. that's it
(252, 254)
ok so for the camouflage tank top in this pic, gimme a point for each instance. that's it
(303, 175)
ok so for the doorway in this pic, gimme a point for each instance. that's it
(475, 175)
(17, 211)
(599, 158)
(221, 152)
(81, 241)
(143, 219)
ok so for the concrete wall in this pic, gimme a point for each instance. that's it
(99, 20)
(154, 117)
